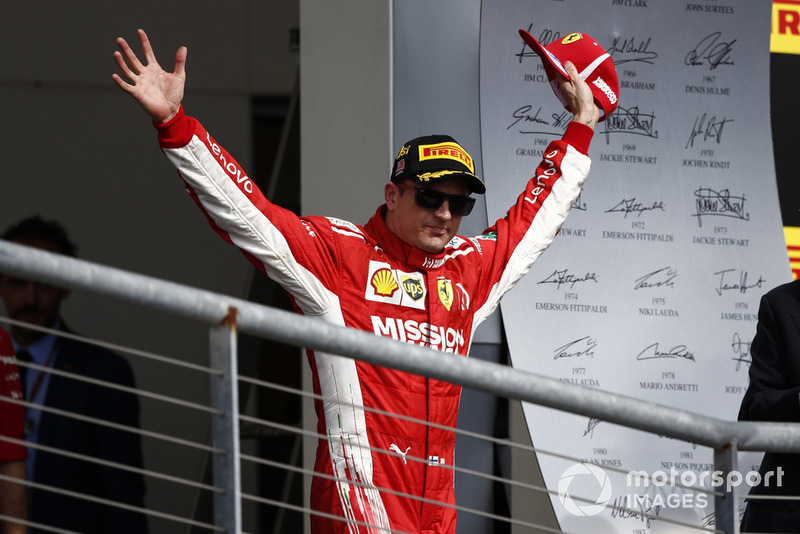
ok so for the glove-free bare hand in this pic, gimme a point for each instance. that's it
(158, 92)
(579, 96)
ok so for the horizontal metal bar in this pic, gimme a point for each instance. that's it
(111, 424)
(306, 510)
(31, 524)
(115, 504)
(517, 522)
(114, 347)
(113, 385)
(290, 328)
(106, 463)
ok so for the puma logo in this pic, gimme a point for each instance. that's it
(396, 449)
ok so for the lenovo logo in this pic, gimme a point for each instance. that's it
(230, 166)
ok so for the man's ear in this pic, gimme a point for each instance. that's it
(390, 193)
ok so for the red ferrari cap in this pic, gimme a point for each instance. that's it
(593, 63)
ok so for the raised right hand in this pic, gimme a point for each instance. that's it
(579, 96)
(159, 92)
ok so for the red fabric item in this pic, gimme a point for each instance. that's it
(592, 61)
(12, 416)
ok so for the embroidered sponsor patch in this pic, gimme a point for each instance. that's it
(394, 286)
(445, 290)
(448, 151)
(383, 283)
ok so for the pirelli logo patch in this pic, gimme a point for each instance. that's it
(448, 151)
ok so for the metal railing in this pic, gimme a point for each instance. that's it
(226, 315)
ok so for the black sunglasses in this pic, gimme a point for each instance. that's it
(432, 199)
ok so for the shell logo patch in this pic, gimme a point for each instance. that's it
(384, 283)
(445, 290)
(571, 38)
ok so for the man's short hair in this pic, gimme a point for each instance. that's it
(34, 228)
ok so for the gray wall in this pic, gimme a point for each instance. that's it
(346, 114)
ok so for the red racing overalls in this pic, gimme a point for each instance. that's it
(366, 278)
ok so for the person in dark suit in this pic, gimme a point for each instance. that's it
(774, 395)
(84, 441)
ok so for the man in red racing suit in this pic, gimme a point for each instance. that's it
(405, 275)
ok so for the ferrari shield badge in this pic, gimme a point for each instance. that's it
(445, 290)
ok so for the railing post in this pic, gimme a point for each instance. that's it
(726, 505)
(225, 428)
